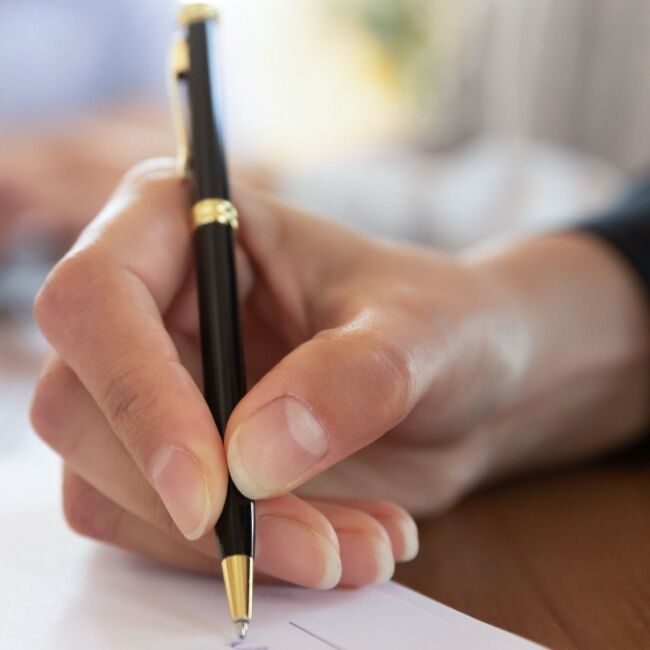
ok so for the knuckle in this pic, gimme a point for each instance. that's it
(50, 408)
(150, 172)
(393, 372)
(157, 181)
(129, 406)
(388, 509)
(90, 514)
(108, 522)
(64, 293)
(158, 516)
(81, 507)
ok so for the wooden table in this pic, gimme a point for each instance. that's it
(562, 559)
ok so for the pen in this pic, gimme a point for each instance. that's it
(202, 159)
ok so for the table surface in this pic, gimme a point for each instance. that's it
(562, 559)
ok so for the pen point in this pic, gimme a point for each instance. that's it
(242, 629)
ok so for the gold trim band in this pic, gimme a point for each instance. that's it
(238, 580)
(215, 211)
(195, 12)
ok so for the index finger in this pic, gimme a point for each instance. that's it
(102, 309)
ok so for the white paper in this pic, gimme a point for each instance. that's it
(61, 592)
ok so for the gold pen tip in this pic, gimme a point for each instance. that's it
(238, 581)
(242, 629)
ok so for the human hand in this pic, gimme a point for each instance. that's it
(376, 371)
(53, 180)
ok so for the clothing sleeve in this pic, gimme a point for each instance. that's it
(626, 227)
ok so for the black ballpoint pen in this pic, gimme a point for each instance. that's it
(202, 159)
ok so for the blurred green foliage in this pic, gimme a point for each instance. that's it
(401, 30)
(399, 26)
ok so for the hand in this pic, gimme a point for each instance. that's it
(52, 181)
(377, 372)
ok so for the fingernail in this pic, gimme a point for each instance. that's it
(367, 559)
(385, 562)
(271, 450)
(331, 572)
(410, 539)
(180, 483)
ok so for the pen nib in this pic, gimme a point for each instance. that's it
(242, 629)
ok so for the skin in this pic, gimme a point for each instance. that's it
(379, 375)
(54, 178)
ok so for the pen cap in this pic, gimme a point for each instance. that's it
(192, 12)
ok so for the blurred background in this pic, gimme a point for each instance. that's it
(444, 122)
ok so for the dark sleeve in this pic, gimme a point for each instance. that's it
(626, 227)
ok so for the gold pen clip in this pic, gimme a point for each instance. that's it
(179, 66)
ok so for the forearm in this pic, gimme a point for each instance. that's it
(586, 379)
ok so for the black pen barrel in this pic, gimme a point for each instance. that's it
(209, 167)
(224, 374)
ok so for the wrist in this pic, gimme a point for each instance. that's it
(586, 372)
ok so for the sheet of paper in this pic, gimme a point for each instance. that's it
(61, 592)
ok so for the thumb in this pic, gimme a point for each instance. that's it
(329, 398)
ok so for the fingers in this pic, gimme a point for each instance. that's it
(131, 515)
(312, 562)
(366, 552)
(326, 400)
(91, 514)
(101, 308)
(67, 419)
(296, 542)
(398, 524)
